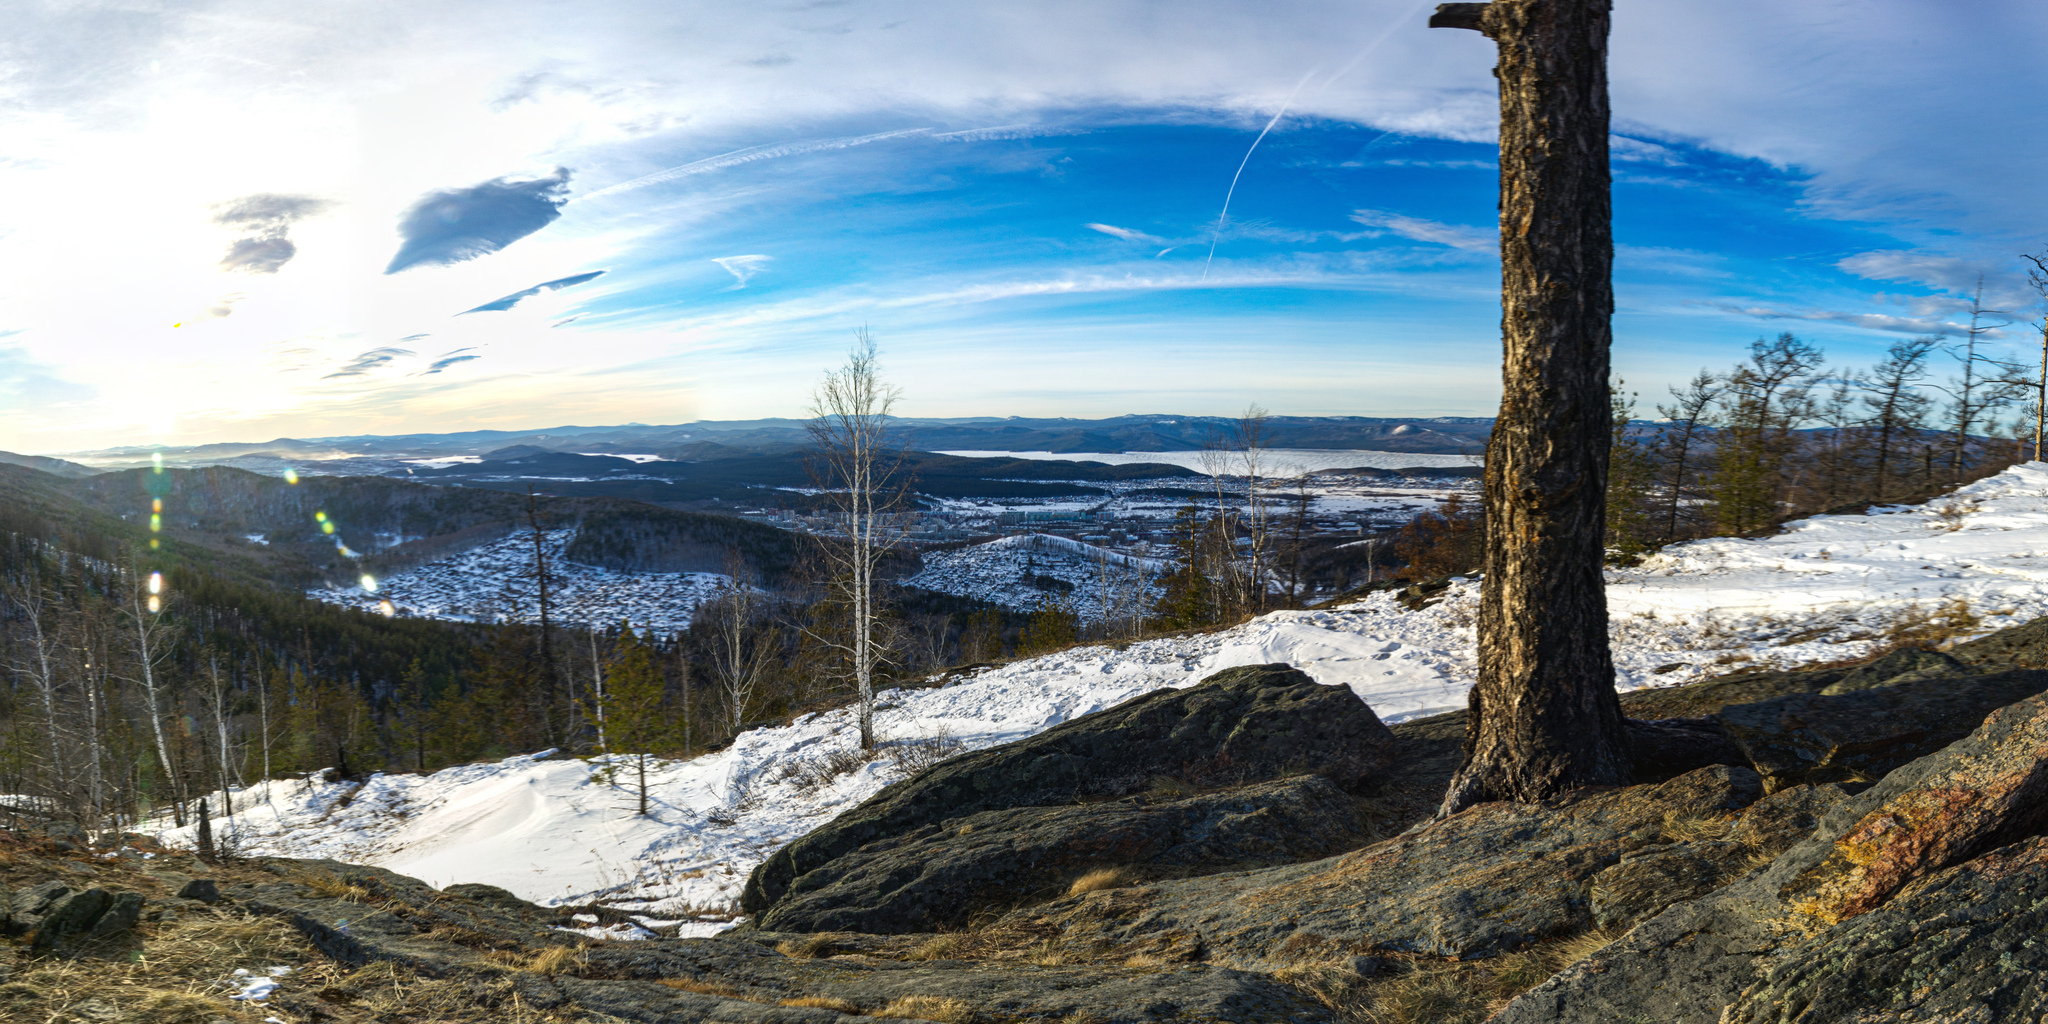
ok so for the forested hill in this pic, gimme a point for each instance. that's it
(250, 528)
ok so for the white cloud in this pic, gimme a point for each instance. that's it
(1126, 234)
(743, 268)
(1457, 236)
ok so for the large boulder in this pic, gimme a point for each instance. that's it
(1688, 964)
(942, 875)
(1240, 725)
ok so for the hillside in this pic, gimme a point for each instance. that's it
(1827, 589)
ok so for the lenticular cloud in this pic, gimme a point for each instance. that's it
(459, 224)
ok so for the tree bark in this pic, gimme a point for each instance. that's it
(1545, 718)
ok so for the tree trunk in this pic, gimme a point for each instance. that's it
(1544, 716)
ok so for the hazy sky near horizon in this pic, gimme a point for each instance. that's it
(239, 219)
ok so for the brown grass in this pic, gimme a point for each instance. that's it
(556, 960)
(1047, 954)
(950, 946)
(334, 888)
(823, 1003)
(809, 947)
(1440, 992)
(1689, 828)
(1098, 880)
(705, 988)
(938, 1008)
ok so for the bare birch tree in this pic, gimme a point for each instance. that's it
(742, 650)
(151, 636)
(857, 465)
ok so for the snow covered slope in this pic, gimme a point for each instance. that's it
(493, 582)
(1274, 462)
(1027, 570)
(551, 829)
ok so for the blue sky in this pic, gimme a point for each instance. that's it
(237, 220)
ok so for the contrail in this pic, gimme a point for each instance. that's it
(749, 155)
(1345, 70)
(1218, 233)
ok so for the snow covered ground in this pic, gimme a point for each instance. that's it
(1275, 462)
(1016, 572)
(553, 830)
(485, 584)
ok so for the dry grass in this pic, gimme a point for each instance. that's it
(702, 988)
(950, 946)
(1147, 962)
(1440, 992)
(1688, 828)
(823, 1003)
(809, 773)
(1915, 626)
(809, 947)
(938, 1008)
(1047, 954)
(556, 960)
(1084, 1017)
(1100, 879)
(334, 888)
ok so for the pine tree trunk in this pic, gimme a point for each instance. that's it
(1544, 715)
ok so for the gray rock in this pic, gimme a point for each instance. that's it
(122, 914)
(1686, 965)
(1873, 719)
(1963, 946)
(1240, 725)
(202, 889)
(466, 931)
(1480, 883)
(939, 877)
(70, 914)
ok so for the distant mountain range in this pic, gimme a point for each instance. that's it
(723, 439)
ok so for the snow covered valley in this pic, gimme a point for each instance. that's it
(555, 830)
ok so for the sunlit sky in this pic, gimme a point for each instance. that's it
(246, 219)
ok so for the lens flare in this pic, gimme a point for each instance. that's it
(156, 504)
(156, 523)
(369, 583)
(327, 527)
(156, 604)
(291, 476)
(156, 460)
(387, 608)
(156, 583)
(319, 517)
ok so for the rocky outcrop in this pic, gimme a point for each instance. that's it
(1491, 879)
(1903, 835)
(1964, 945)
(1872, 719)
(942, 875)
(364, 916)
(53, 912)
(1240, 725)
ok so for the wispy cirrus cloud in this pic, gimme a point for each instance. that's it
(749, 155)
(1867, 321)
(1457, 236)
(1127, 234)
(449, 359)
(743, 268)
(507, 302)
(366, 362)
